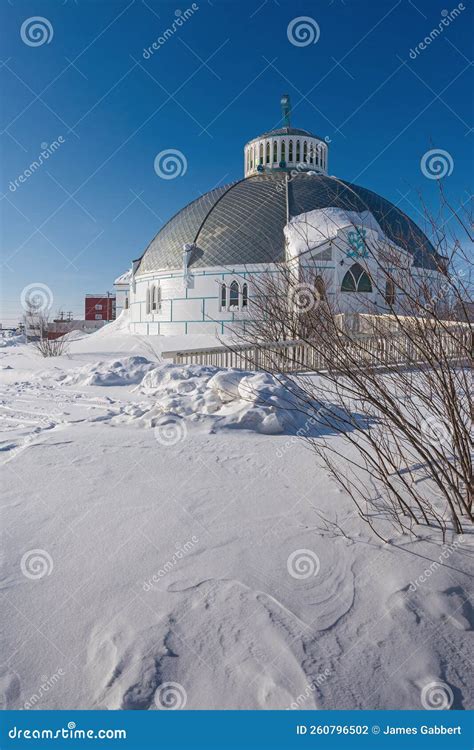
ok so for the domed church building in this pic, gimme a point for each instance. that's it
(196, 275)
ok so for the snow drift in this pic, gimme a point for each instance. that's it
(227, 398)
(308, 230)
(235, 547)
(126, 371)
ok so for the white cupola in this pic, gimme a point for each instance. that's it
(285, 149)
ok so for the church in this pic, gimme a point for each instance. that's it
(196, 275)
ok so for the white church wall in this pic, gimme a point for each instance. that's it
(188, 305)
(121, 294)
(193, 304)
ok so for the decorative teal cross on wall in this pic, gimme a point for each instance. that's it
(358, 248)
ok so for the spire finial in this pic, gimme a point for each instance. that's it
(286, 110)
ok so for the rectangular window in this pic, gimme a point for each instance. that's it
(98, 307)
(98, 317)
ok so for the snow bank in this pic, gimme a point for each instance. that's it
(119, 325)
(308, 230)
(6, 341)
(229, 398)
(126, 371)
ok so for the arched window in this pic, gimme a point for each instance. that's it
(319, 288)
(356, 280)
(234, 295)
(245, 295)
(305, 152)
(290, 151)
(298, 151)
(267, 155)
(275, 154)
(148, 301)
(223, 297)
(260, 154)
(390, 292)
(283, 151)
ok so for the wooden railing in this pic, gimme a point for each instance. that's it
(293, 356)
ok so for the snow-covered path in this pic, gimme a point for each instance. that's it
(211, 562)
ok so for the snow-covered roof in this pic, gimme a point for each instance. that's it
(124, 278)
(313, 228)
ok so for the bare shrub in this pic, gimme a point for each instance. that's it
(394, 379)
(36, 324)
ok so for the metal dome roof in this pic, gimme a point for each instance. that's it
(285, 131)
(243, 223)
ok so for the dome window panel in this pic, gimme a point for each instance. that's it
(298, 151)
(290, 151)
(275, 152)
(356, 280)
(267, 153)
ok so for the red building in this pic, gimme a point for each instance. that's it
(100, 306)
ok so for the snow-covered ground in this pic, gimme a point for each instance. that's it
(166, 525)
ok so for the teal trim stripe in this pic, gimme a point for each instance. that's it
(205, 273)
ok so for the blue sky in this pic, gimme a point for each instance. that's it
(79, 219)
